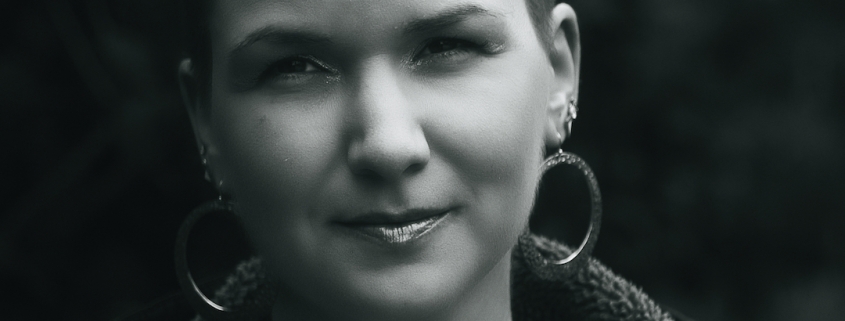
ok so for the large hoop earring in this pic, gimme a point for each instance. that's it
(561, 269)
(255, 307)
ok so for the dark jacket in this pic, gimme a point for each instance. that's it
(593, 293)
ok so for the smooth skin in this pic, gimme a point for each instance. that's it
(321, 110)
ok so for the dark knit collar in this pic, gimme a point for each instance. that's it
(591, 294)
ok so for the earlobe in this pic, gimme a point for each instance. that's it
(565, 57)
(554, 131)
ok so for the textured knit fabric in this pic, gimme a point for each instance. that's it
(593, 293)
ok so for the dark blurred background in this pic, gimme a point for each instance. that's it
(716, 129)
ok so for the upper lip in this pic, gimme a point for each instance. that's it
(393, 217)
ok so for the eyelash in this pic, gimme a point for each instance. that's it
(456, 48)
(271, 71)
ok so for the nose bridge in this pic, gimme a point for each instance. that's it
(379, 98)
(389, 140)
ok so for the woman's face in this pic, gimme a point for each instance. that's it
(382, 154)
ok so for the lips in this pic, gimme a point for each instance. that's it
(396, 228)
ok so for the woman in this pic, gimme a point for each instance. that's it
(384, 156)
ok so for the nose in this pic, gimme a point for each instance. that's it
(387, 140)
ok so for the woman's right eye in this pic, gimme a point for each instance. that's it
(293, 65)
(290, 71)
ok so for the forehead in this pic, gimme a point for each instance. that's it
(232, 20)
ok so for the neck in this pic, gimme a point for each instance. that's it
(488, 300)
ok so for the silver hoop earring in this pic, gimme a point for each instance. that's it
(561, 269)
(571, 115)
(256, 307)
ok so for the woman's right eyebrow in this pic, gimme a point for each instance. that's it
(279, 35)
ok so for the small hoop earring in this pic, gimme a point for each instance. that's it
(571, 115)
(561, 269)
(204, 160)
(256, 307)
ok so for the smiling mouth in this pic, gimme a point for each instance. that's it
(396, 229)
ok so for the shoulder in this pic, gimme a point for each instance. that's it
(592, 293)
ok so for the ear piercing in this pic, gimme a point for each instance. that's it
(571, 114)
(218, 183)
(204, 159)
(255, 306)
(549, 268)
(202, 154)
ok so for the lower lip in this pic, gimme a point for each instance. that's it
(400, 233)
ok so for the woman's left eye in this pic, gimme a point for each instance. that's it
(445, 47)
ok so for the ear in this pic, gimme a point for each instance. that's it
(189, 85)
(198, 114)
(565, 57)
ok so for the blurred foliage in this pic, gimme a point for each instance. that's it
(716, 129)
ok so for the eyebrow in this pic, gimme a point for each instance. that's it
(446, 18)
(441, 20)
(279, 34)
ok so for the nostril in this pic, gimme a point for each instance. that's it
(387, 156)
(414, 168)
(380, 169)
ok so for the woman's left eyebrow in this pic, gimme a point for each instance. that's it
(279, 35)
(446, 18)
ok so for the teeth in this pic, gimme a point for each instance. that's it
(400, 233)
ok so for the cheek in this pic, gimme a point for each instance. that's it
(266, 144)
(271, 146)
(492, 122)
(275, 154)
(493, 139)
(281, 154)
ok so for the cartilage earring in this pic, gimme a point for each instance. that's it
(204, 160)
(560, 269)
(571, 115)
(202, 153)
(256, 306)
(573, 109)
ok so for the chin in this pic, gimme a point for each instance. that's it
(362, 279)
(410, 294)
(424, 291)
